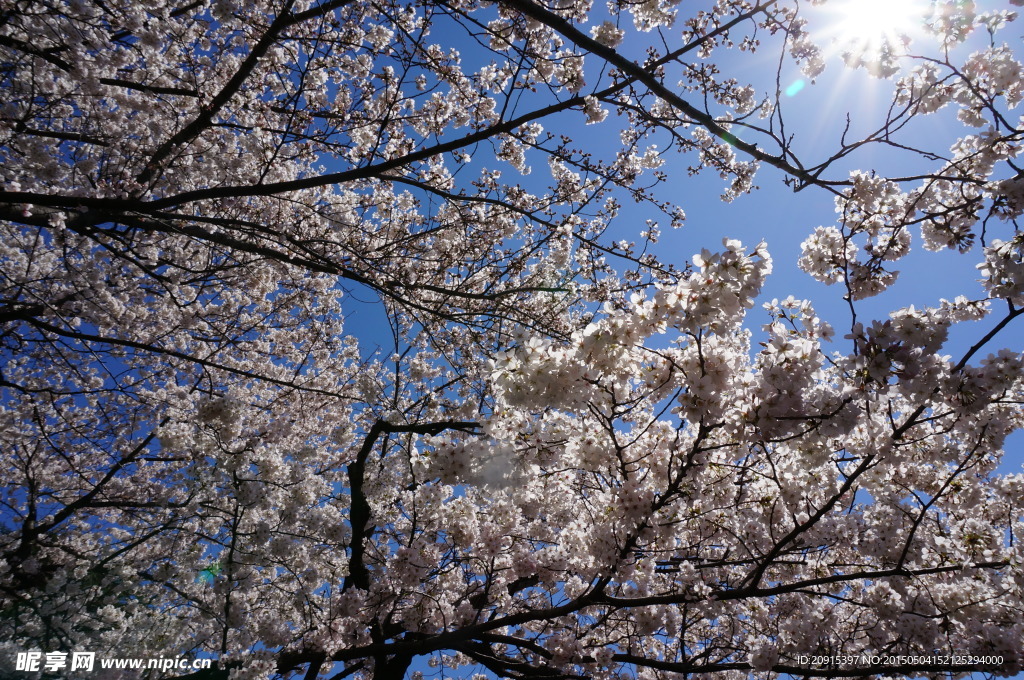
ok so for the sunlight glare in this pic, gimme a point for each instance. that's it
(870, 24)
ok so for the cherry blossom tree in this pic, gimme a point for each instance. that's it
(556, 455)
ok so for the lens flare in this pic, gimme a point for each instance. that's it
(795, 87)
(209, 574)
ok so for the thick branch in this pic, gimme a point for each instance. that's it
(206, 115)
(567, 30)
(359, 512)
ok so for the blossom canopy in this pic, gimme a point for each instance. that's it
(330, 345)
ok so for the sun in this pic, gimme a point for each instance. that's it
(871, 25)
